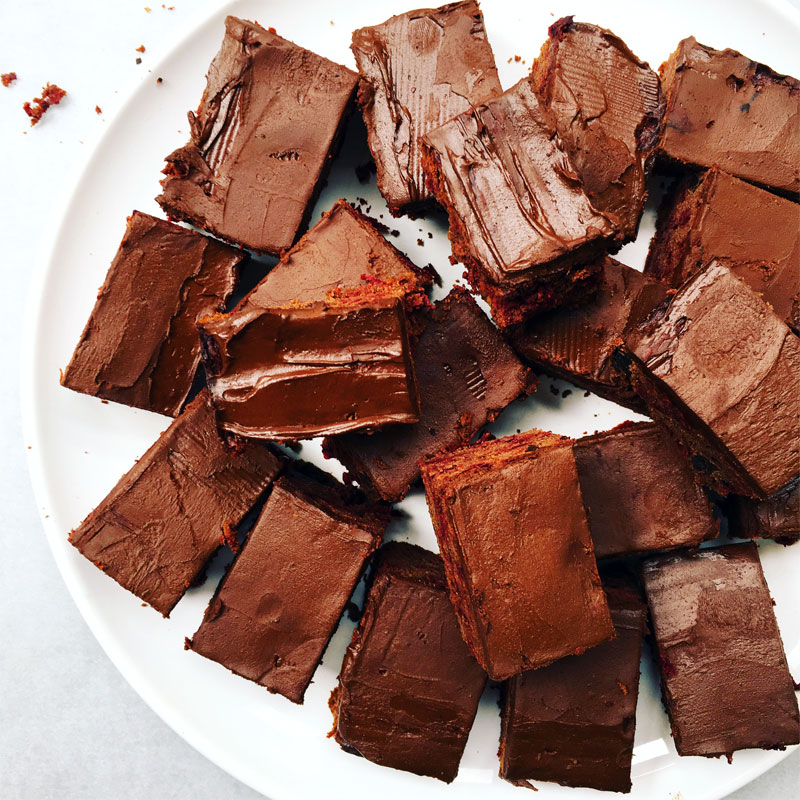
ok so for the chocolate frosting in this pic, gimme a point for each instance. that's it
(755, 233)
(314, 370)
(409, 687)
(777, 517)
(158, 527)
(419, 70)
(573, 722)
(140, 346)
(607, 106)
(639, 491)
(280, 602)
(724, 676)
(723, 108)
(466, 375)
(261, 140)
(716, 364)
(513, 534)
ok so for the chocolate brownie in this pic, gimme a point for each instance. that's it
(777, 517)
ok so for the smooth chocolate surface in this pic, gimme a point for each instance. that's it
(573, 722)
(755, 233)
(724, 677)
(313, 370)
(639, 491)
(719, 367)
(409, 687)
(418, 70)
(513, 534)
(580, 343)
(279, 603)
(140, 346)
(466, 374)
(777, 517)
(607, 106)
(519, 218)
(261, 140)
(158, 527)
(724, 109)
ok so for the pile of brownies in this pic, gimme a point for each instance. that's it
(340, 340)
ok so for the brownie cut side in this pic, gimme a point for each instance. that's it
(777, 517)
(409, 688)
(140, 346)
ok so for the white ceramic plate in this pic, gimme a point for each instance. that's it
(80, 447)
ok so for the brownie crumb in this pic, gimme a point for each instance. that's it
(159, 80)
(98, 110)
(140, 48)
(553, 390)
(138, 60)
(394, 233)
(430, 235)
(420, 243)
(52, 95)
(8, 78)
(566, 393)
(353, 611)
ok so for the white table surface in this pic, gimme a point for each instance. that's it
(70, 726)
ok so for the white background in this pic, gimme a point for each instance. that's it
(70, 727)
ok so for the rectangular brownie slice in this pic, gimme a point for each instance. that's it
(519, 218)
(277, 607)
(418, 70)
(639, 491)
(140, 346)
(724, 109)
(513, 534)
(755, 233)
(574, 721)
(466, 374)
(716, 364)
(607, 106)
(261, 141)
(580, 344)
(159, 526)
(409, 687)
(724, 677)
(777, 517)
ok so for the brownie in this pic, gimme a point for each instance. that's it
(755, 233)
(159, 526)
(724, 677)
(573, 722)
(717, 365)
(409, 688)
(724, 109)
(419, 70)
(261, 141)
(140, 346)
(518, 555)
(607, 105)
(777, 517)
(639, 491)
(278, 605)
(466, 374)
(519, 219)
(580, 344)
(310, 369)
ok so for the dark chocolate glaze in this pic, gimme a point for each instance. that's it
(140, 346)
(280, 602)
(513, 534)
(409, 687)
(466, 375)
(573, 722)
(724, 676)
(419, 70)
(261, 140)
(158, 527)
(777, 517)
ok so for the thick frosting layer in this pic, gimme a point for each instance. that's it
(724, 676)
(466, 374)
(409, 687)
(279, 603)
(607, 106)
(718, 365)
(140, 346)
(158, 527)
(777, 517)
(513, 534)
(724, 109)
(261, 140)
(573, 722)
(419, 70)
(639, 491)
(755, 233)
